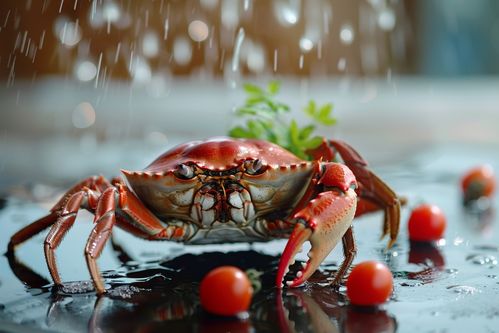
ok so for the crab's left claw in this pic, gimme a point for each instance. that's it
(323, 222)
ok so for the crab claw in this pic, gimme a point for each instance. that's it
(323, 222)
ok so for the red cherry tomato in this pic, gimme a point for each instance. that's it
(226, 291)
(427, 223)
(369, 283)
(478, 181)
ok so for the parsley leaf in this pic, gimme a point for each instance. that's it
(265, 119)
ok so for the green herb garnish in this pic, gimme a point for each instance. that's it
(265, 119)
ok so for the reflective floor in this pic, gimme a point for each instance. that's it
(449, 286)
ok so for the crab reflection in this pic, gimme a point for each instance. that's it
(164, 296)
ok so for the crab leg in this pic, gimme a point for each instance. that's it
(349, 251)
(119, 205)
(66, 217)
(95, 183)
(323, 222)
(105, 219)
(372, 188)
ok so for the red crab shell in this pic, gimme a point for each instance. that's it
(222, 153)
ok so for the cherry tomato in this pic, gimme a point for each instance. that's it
(478, 182)
(427, 223)
(369, 283)
(226, 291)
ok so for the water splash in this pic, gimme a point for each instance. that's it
(464, 290)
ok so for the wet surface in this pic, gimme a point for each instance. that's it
(153, 286)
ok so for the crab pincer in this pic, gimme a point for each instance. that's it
(323, 222)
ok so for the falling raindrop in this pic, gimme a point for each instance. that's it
(275, 60)
(347, 34)
(386, 19)
(237, 49)
(198, 30)
(83, 115)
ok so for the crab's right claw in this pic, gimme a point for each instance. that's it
(323, 222)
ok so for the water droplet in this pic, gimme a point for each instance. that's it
(255, 59)
(150, 44)
(111, 12)
(182, 51)
(347, 34)
(464, 290)
(411, 284)
(69, 33)
(85, 71)
(141, 71)
(198, 30)
(306, 44)
(458, 241)
(287, 14)
(482, 259)
(386, 19)
(83, 115)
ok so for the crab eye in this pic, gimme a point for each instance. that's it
(184, 171)
(254, 167)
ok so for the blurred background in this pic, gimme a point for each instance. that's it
(92, 86)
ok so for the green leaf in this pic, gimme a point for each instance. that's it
(325, 110)
(294, 132)
(252, 89)
(324, 117)
(273, 87)
(313, 143)
(254, 111)
(239, 132)
(306, 131)
(257, 129)
(254, 100)
(310, 109)
(266, 119)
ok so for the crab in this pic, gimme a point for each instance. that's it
(225, 190)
